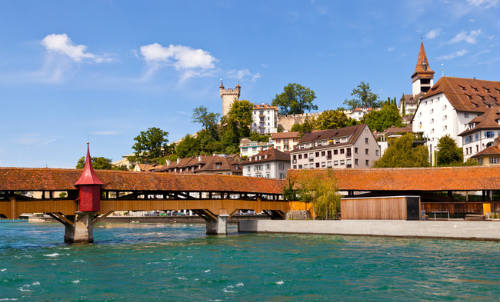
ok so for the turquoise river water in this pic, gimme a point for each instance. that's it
(178, 262)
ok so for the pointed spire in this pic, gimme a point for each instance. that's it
(88, 176)
(422, 63)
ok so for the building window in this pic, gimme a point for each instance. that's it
(317, 165)
(494, 160)
(268, 166)
(317, 154)
(300, 166)
(323, 165)
(329, 154)
(341, 151)
(490, 134)
(336, 163)
(305, 155)
(329, 164)
(356, 161)
(377, 152)
(294, 157)
(366, 151)
(295, 166)
(366, 140)
(342, 162)
(355, 150)
(335, 152)
(322, 153)
(367, 162)
(348, 151)
(300, 156)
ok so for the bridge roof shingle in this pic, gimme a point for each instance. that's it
(410, 179)
(33, 179)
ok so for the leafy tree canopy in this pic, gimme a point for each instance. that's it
(363, 97)
(307, 126)
(150, 145)
(208, 120)
(333, 119)
(98, 163)
(384, 118)
(402, 153)
(449, 153)
(295, 99)
(188, 146)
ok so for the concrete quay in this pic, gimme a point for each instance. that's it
(473, 230)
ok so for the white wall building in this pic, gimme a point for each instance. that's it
(228, 97)
(357, 113)
(270, 164)
(450, 105)
(264, 119)
(481, 132)
(250, 148)
(285, 141)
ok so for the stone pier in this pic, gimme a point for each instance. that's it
(218, 226)
(82, 228)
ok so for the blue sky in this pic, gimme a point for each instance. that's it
(73, 71)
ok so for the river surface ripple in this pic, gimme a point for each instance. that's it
(178, 262)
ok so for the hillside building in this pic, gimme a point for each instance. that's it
(264, 119)
(349, 147)
(285, 141)
(450, 105)
(481, 132)
(250, 148)
(269, 164)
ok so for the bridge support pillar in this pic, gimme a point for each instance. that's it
(218, 226)
(82, 228)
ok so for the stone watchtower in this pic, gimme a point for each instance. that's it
(228, 96)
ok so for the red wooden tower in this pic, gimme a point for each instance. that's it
(89, 187)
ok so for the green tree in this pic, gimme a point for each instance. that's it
(402, 153)
(256, 137)
(363, 97)
(403, 105)
(449, 153)
(321, 191)
(295, 99)
(208, 120)
(307, 126)
(150, 145)
(188, 146)
(384, 118)
(98, 163)
(333, 119)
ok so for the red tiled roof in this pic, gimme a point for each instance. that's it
(353, 131)
(468, 95)
(264, 106)
(487, 120)
(491, 150)
(34, 179)
(292, 134)
(410, 179)
(267, 156)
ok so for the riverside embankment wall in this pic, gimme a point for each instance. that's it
(479, 230)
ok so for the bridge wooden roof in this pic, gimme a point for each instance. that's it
(33, 179)
(410, 179)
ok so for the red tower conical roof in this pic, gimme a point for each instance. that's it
(88, 176)
(422, 67)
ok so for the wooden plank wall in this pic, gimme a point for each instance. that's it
(387, 208)
(453, 207)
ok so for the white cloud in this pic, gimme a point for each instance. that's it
(483, 3)
(241, 74)
(34, 139)
(105, 132)
(456, 54)
(470, 37)
(433, 33)
(191, 62)
(62, 44)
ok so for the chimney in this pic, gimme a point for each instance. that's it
(199, 158)
(178, 160)
(168, 162)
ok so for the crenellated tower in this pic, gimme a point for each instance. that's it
(228, 96)
(423, 77)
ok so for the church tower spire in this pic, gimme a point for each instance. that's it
(423, 77)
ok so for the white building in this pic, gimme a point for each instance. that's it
(348, 147)
(270, 164)
(250, 148)
(285, 141)
(264, 119)
(450, 105)
(357, 113)
(481, 132)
